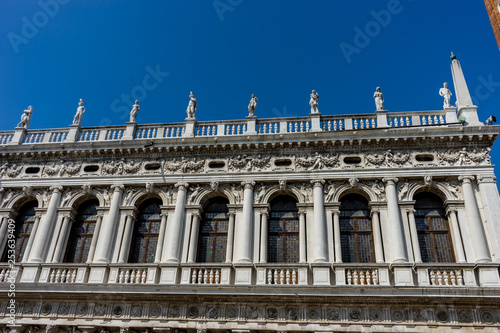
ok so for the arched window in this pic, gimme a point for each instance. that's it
(82, 232)
(25, 221)
(356, 230)
(146, 232)
(214, 224)
(432, 229)
(283, 230)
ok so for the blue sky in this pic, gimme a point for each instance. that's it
(54, 52)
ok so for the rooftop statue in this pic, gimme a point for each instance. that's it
(379, 99)
(446, 94)
(77, 120)
(26, 118)
(192, 106)
(252, 105)
(133, 112)
(313, 102)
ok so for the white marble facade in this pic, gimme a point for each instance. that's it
(393, 162)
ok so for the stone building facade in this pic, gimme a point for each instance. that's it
(493, 8)
(373, 222)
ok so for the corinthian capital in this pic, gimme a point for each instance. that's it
(390, 181)
(318, 182)
(466, 179)
(248, 185)
(182, 186)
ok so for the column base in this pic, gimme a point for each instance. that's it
(403, 275)
(243, 274)
(321, 274)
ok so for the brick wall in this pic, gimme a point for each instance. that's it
(494, 14)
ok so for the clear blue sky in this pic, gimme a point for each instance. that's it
(225, 50)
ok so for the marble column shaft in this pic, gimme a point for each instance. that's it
(398, 246)
(45, 227)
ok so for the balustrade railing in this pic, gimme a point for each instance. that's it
(89, 135)
(264, 127)
(7, 275)
(443, 277)
(133, 275)
(352, 275)
(58, 136)
(63, 275)
(34, 137)
(205, 276)
(234, 127)
(282, 276)
(361, 276)
(5, 138)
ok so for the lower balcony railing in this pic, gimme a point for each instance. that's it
(276, 275)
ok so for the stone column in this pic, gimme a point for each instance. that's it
(230, 237)
(414, 236)
(459, 247)
(45, 227)
(476, 230)
(127, 238)
(161, 237)
(398, 247)
(193, 242)
(95, 237)
(32, 237)
(321, 244)
(336, 235)
(377, 237)
(245, 230)
(302, 236)
(63, 236)
(171, 248)
(264, 236)
(108, 229)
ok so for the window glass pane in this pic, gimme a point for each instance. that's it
(432, 228)
(426, 250)
(356, 230)
(365, 247)
(283, 241)
(214, 225)
(82, 230)
(146, 230)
